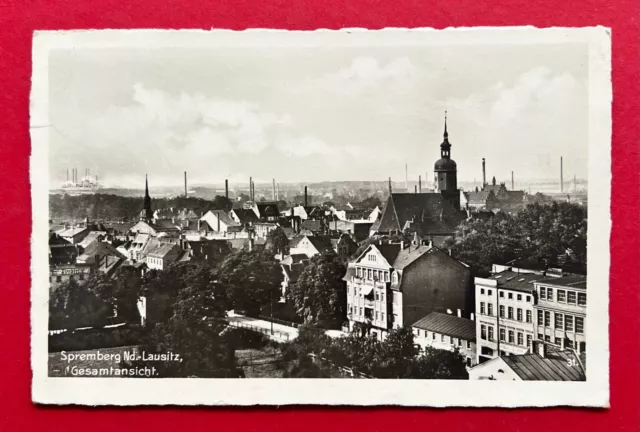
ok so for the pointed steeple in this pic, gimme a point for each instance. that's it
(445, 147)
(146, 210)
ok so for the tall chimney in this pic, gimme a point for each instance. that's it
(253, 191)
(274, 189)
(420, 184)
(406, 177)
(484, 174)
(250, 189)
(415, 189)
(277, 191)
(561, 176)
(185, 184)
(390, 190)
(67, 174)
(512, 182)
(226, 188)
(305, 196)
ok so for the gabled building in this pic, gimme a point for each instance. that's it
(245, 217)
(162, 255)
(74, 235)
(544, 362)
(344, 245)
(447, 332)
(393, 285)
(311, 245)
(217, 221)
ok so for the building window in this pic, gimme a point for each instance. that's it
(568, 343)
(528, 316)
(459, 342)
(58, 278)
(543, 293)
(550, 294)
(571, 297)
(482, 291)
(468, 344)
(451, 340)
(482, 308)
(441, 338)
(377, 316)
(529, 340)
(582, 299)
(490, 309)
(579, 325)
(501, 311)
(510, 296)
(502, 334)
(547, 338)
(360, 311)
(558, 341)
(417, 330)
(583, 346)
(491, 333)
(510, 312)
(568, 323)
(395, 278)
(519, 297)
(483, 332)
(520, 339)
(369, 274)
(540, 336)
(386, 276)
(528, 299)
(510, 336)
(559, 321)
(519, 315)
(433, 336)
(562, 296)
(377, 296)
(488, 292)
(382, 316)
(540, 318)
(502, 294)
(547, 319)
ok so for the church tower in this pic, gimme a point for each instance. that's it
(446, 171)
(146, 213)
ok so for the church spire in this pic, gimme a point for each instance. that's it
(445, 147)
(146, 211)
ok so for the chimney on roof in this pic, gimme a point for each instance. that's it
(540, 348)
(305, 196)
(484, 174)
(402, 245)
(459, 313)
(226, 188)
(472, 316)
(449, 311)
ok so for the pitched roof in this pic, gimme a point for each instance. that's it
(268, 209)
(223, 216)
(477, 197)
(70, 232)
(389, 251)
(321, 243)
(428, 212)
(246, 215)
(99, 249)
(553, 367)
(311, 225)
(162, 250)
(449, 325)
(409, 254)
(91, 237)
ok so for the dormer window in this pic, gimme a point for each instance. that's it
(394, 278)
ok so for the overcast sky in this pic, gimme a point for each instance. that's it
(313, 114)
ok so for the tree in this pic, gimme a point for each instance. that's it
(251, 279)
(278, 241)
(222, 203)
(371, 202)
(439, 364)
(194, 330)
(396, 354)
(73, 305)
(319, 294)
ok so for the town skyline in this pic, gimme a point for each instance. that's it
(206, 113)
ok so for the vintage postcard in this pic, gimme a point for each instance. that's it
(410, 217)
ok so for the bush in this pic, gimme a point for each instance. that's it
(81, 340)
(241, 338)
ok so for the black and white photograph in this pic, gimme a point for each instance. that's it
(358, 217)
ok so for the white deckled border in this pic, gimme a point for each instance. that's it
(436, 393)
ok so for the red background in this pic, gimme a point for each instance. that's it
(18, 18)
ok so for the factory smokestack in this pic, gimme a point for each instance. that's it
(420, 183)
(278, 191)
(513, 187)
(185, 184)
(67, 174)
(390, 190)
(561, 176)
(305, 196)
(406, 177)
(415, 189)
(484, 174)
(226, 188)
(274, 189)
(250, 189)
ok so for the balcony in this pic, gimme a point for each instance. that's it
(370, 303)
(371, 282)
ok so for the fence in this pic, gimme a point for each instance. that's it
(277, 335)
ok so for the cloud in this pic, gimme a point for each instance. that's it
(367, 73)
(304, 146)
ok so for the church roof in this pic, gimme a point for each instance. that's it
(427, 212)
(445, 164)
